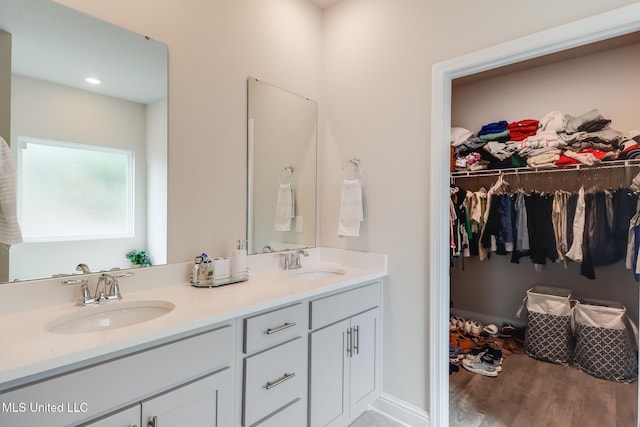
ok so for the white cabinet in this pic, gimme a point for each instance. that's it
(124, 418)
(207, 402)
(90, 392)
(344, 356)
(275, 367)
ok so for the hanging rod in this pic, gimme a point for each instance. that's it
(612, 164)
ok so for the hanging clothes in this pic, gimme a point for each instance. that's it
(542, 240)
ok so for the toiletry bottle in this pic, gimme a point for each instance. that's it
(206, 270)
(239, 262)
(195, 275)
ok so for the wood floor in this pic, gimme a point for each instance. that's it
(531, 393)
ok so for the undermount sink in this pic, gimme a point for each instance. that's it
(111, 315)
(318, 273)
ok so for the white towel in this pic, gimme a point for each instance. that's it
(285, 207)
(10, 233)
(351, 211)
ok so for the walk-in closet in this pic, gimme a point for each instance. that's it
(599, 82)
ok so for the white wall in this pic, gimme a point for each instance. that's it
(377, 73)
(50, 111)
(375, 67)
(603, 80)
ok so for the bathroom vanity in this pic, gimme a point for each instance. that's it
(288, 347)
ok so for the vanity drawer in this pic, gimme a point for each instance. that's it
(273, 379)
(334, 308)
(274, 327)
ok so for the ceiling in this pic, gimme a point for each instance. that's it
(55, 43)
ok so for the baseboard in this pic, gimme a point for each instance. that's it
(401, 411)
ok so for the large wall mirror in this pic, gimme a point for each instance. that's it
(282, 138)
(55, 111)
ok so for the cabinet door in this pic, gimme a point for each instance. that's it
(207, 402)
(126, 418)
(329, 369)
(365, 359)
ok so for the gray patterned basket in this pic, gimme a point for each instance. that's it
(605, 341)
(548, 335)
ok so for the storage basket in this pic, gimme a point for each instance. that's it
(548, 336)
(605, 341)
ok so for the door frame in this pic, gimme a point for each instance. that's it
(596, 28)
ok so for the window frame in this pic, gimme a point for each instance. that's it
(24, 141)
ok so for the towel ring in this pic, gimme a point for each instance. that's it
(351, 169)
(286, 176)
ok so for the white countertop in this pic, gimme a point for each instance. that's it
(29, 352)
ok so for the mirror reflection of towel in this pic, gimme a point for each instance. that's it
(9, 229)
(351, 211)
(285, 207)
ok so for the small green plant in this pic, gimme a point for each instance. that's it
(138, 257)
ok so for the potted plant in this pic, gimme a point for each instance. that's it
(139, 258)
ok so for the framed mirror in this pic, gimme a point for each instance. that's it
(56, 112)
(282, 164)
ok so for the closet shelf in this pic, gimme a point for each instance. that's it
(611, 164)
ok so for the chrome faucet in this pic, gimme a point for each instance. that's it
(104, 280)
(295, 258)
(83, 267)
(291, 260)
(107, 288)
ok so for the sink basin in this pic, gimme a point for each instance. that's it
(318, 273)
(111, 315)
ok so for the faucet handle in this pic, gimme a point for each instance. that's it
(295, 257)
(113, 291)
(85, 296)
(286, 260)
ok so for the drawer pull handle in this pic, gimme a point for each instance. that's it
(153, 422)
(286, 325)
(356, 344)
(285, 377)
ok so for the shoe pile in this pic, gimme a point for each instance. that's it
(485, 361)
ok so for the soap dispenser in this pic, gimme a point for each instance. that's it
(239, 270)
(195, 275)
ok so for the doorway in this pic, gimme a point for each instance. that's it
(596, 28)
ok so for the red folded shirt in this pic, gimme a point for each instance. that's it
(522, 129)
(598, 154)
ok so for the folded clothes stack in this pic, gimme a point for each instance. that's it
(584, 139)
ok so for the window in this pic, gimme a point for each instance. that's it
(70, 191)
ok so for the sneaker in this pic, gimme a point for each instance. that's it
(468, 325)
(479, 367)
(476, 327)
(490, 356)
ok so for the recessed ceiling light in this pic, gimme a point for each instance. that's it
(92, 80)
